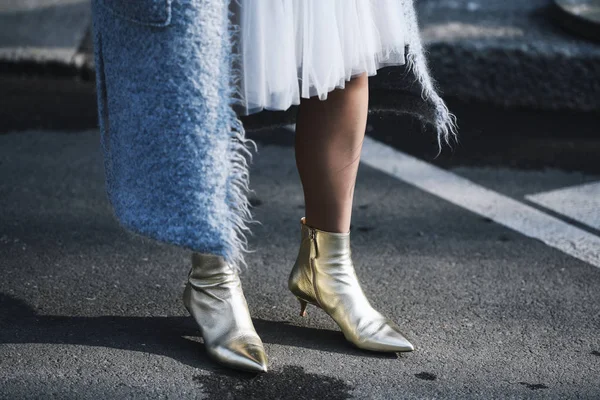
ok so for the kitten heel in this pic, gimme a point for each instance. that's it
(303, 305)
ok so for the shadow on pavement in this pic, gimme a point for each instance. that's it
(174, 337)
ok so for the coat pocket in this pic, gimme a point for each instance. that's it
(142, 12)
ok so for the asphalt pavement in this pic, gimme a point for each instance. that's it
(88, 310)
(487, 256)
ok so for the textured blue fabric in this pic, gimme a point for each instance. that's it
(175, 153)
(176, 157)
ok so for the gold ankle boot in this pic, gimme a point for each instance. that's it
(213, 296)
(324, 275)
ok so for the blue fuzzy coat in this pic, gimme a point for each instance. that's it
(174, 149)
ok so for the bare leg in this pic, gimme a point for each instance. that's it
(328, 143)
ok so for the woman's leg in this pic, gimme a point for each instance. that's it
(329, 137)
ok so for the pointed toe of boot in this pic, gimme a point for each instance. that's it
(246, 356)
(388, 338)
(395, 341)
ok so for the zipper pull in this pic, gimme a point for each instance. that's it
(313, 237)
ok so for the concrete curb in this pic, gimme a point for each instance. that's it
(506, 53)
(43, 33)
(510, 54)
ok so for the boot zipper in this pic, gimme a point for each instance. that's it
(313, 238)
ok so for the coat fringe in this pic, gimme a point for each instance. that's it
(238, 187)
(444, 121)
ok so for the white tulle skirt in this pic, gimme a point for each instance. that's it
(288, 49)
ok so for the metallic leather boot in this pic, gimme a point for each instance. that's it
(324, 276)
(213, 296)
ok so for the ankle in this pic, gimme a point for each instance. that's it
(327, 226)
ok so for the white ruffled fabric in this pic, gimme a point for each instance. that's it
(288, 49)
